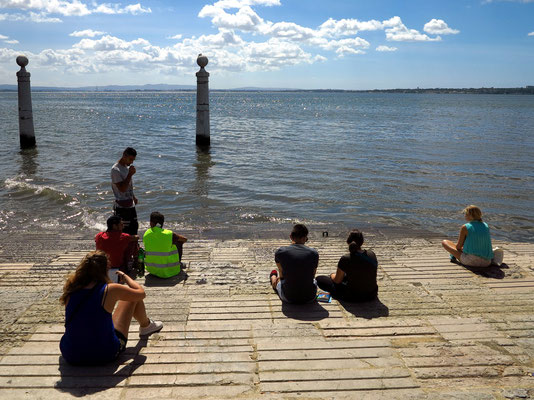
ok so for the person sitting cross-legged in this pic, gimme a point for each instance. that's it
(473, 247)
(355, 276)
(297, 263)
(163, 248)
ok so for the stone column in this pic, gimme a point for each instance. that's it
(26, 132)
(203, 103)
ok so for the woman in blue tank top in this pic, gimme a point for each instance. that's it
(95, 333)
(474, 242)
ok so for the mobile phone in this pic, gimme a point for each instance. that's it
(112, 274)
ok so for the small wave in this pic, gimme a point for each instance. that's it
(24, 186)
(252, 217)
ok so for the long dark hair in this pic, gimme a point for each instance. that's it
(355, 240)
(93, 267)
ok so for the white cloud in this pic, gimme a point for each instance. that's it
(41, 18)
(7, 40)
(245, 19)
(243, 41)
(531, 34)
(108, 43)
(86, 33)
(347, 27)
(62, 7)
(39, 10)
(346, 46)
(386, 48)
(439, 27)
(289, 30)
(134, 9)
(398, 32)
(30, 17)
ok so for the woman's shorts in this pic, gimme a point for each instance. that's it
(122, 341)
(474, 261)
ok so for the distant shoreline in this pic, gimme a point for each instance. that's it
(157, 88)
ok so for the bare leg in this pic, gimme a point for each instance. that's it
(180, 248)
(140, 314)
(125, 310)
(451, 248)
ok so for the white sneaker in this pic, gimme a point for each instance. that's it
(498, 256)
(153, 327)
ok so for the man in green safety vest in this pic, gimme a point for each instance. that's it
(163, 248)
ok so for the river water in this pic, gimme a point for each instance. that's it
(356, 159)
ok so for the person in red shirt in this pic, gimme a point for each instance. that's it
(120, 247)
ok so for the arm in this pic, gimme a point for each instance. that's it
(131, 292)
(338, 276)
(134, 238)
(178, 239)
(461, 238)
(123, 185)
(280, 273)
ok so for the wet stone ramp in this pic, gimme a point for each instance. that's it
(437, 331)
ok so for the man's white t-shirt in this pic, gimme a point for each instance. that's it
(118, 174)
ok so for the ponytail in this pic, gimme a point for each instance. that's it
(355, 240)
(353, 247)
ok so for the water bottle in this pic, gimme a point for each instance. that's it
(141, 262)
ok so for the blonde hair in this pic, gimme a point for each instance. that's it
(474, 212)
(93, 267)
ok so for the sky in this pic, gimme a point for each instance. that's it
(305, 44)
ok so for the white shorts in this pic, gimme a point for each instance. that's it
(474, 261)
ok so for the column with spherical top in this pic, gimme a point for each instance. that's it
(203, 103)
(26, 132)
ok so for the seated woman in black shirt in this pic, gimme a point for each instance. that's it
(355, 278)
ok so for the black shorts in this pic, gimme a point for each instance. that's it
(123, 340)
(129, 218)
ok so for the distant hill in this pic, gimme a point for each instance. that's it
(107, 88)
(165, 87)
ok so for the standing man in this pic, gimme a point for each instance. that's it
(297, 263)
(121, 182)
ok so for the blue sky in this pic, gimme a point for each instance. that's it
(337, 44)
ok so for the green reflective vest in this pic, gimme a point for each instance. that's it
(161, 256)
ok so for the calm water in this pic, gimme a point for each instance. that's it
(380, 159)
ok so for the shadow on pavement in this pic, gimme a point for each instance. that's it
(493, 271)
(153, 280)
(80, 381)
(368, 310)
(304, 312)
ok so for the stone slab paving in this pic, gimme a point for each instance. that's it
(438, 331)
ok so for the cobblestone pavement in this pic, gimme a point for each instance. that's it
(438, 330)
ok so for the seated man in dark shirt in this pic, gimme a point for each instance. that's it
(297, 264)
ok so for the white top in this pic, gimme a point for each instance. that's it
(118, 174)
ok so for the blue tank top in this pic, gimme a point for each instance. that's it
(478, 240)
(89, 337)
